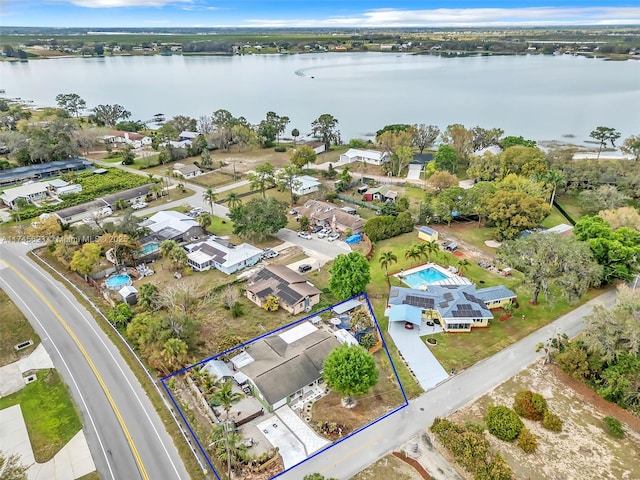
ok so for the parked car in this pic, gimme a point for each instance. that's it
(194, 212)
(323, 233)
(408, 325)
(305, 267)
(139, 205)
(450, 246)
(293, 211)
(269, 253)
(305, 235)
(333, 237)
(316, 228)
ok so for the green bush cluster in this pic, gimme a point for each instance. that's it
(503, 423)
(383, 227)
(613, 427)
(280, 148)
(530, 405)
(471, 450)
(552, 422)
(527, 441)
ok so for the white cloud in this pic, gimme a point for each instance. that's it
(469, 17)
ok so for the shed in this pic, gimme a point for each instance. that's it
(427, 234)
(405, 313)
(129, 294)
(218, 369)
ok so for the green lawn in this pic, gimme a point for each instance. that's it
(571, 204)
(15, 329)
(555, 218)
(49, 413)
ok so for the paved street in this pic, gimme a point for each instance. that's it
(107, 393)
(352, 455)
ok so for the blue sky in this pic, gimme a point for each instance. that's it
(317, 13)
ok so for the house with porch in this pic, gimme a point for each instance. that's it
(170, 225)
(186, 171)
(372, 157)
(332, 216)
(457, 308)
(287, 366)
(30, 193)
(217, 253)
(294, 292)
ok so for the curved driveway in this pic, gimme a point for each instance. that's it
(126, 437)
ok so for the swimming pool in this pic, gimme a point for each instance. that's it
(118, 281)
(423, 277)
(148, 248)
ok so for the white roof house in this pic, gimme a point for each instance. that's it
(29, 192)
(219, 254)
(187, 135)
(374, 157)
(169, 218)
(304, 185)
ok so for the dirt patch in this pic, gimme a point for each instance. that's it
(414, 463)
(388, 467)
(581, 450)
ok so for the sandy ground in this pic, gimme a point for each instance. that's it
(582, 450)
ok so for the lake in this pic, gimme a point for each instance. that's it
(539, 97)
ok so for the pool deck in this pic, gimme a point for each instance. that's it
(452, 278)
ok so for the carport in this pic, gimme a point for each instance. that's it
(405, 313)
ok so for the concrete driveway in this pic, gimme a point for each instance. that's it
(289, 447)
(421, 361)
(316, 247)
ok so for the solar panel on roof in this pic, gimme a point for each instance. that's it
(416, 301)
(448, 296)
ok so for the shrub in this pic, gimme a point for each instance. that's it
(503, 423)
(527, 441)
(236, 310)
(530, 405)
(280, 148)
(613, 427)
(552, 422)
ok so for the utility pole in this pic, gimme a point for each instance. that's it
(226, 438)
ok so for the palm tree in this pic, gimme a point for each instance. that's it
(210, 196)
(233, 200)
(423, 250)
(556, 179)
(226, 397)
(174, 354)
(411, 253)
(205, 220)
(386, 259)
(167, 246)
(463, 265)
(167, 175)
(156, 190)
(228, 446)
(431, 248)
(121, 204)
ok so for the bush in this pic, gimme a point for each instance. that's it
(280, 148)
(552, 422)
(527, 441)
(530, 405)
(613, 427)
(503, 423)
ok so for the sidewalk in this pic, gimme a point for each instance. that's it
(71, 462)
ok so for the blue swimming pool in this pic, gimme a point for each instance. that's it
(424, 277)
(148, 248)
(118, 281)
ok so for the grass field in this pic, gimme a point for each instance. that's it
(49, 413)
(15, 329)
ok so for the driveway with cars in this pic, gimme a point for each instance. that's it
(315, 247)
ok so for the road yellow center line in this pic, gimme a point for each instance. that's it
(106, 391)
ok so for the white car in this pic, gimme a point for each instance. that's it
(333, 237)
(322, 233)
(304, 235)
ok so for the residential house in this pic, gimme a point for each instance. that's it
(30, 193)
(286, 366)
(221, 255)
(380, 194)
(186, 171)
(304, 185)
(131, 195)
(55, 184)
(119, 137)
(458, 308)
(331, 216)
(170, 225)
(295, 293)
(12, 176)
(78, 212)
(427, 234)
(318, 147)
(373, 157)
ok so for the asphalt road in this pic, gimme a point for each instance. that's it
(126, 437)
(347, 458)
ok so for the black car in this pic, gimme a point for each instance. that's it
(305, 267)
(316, 229)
